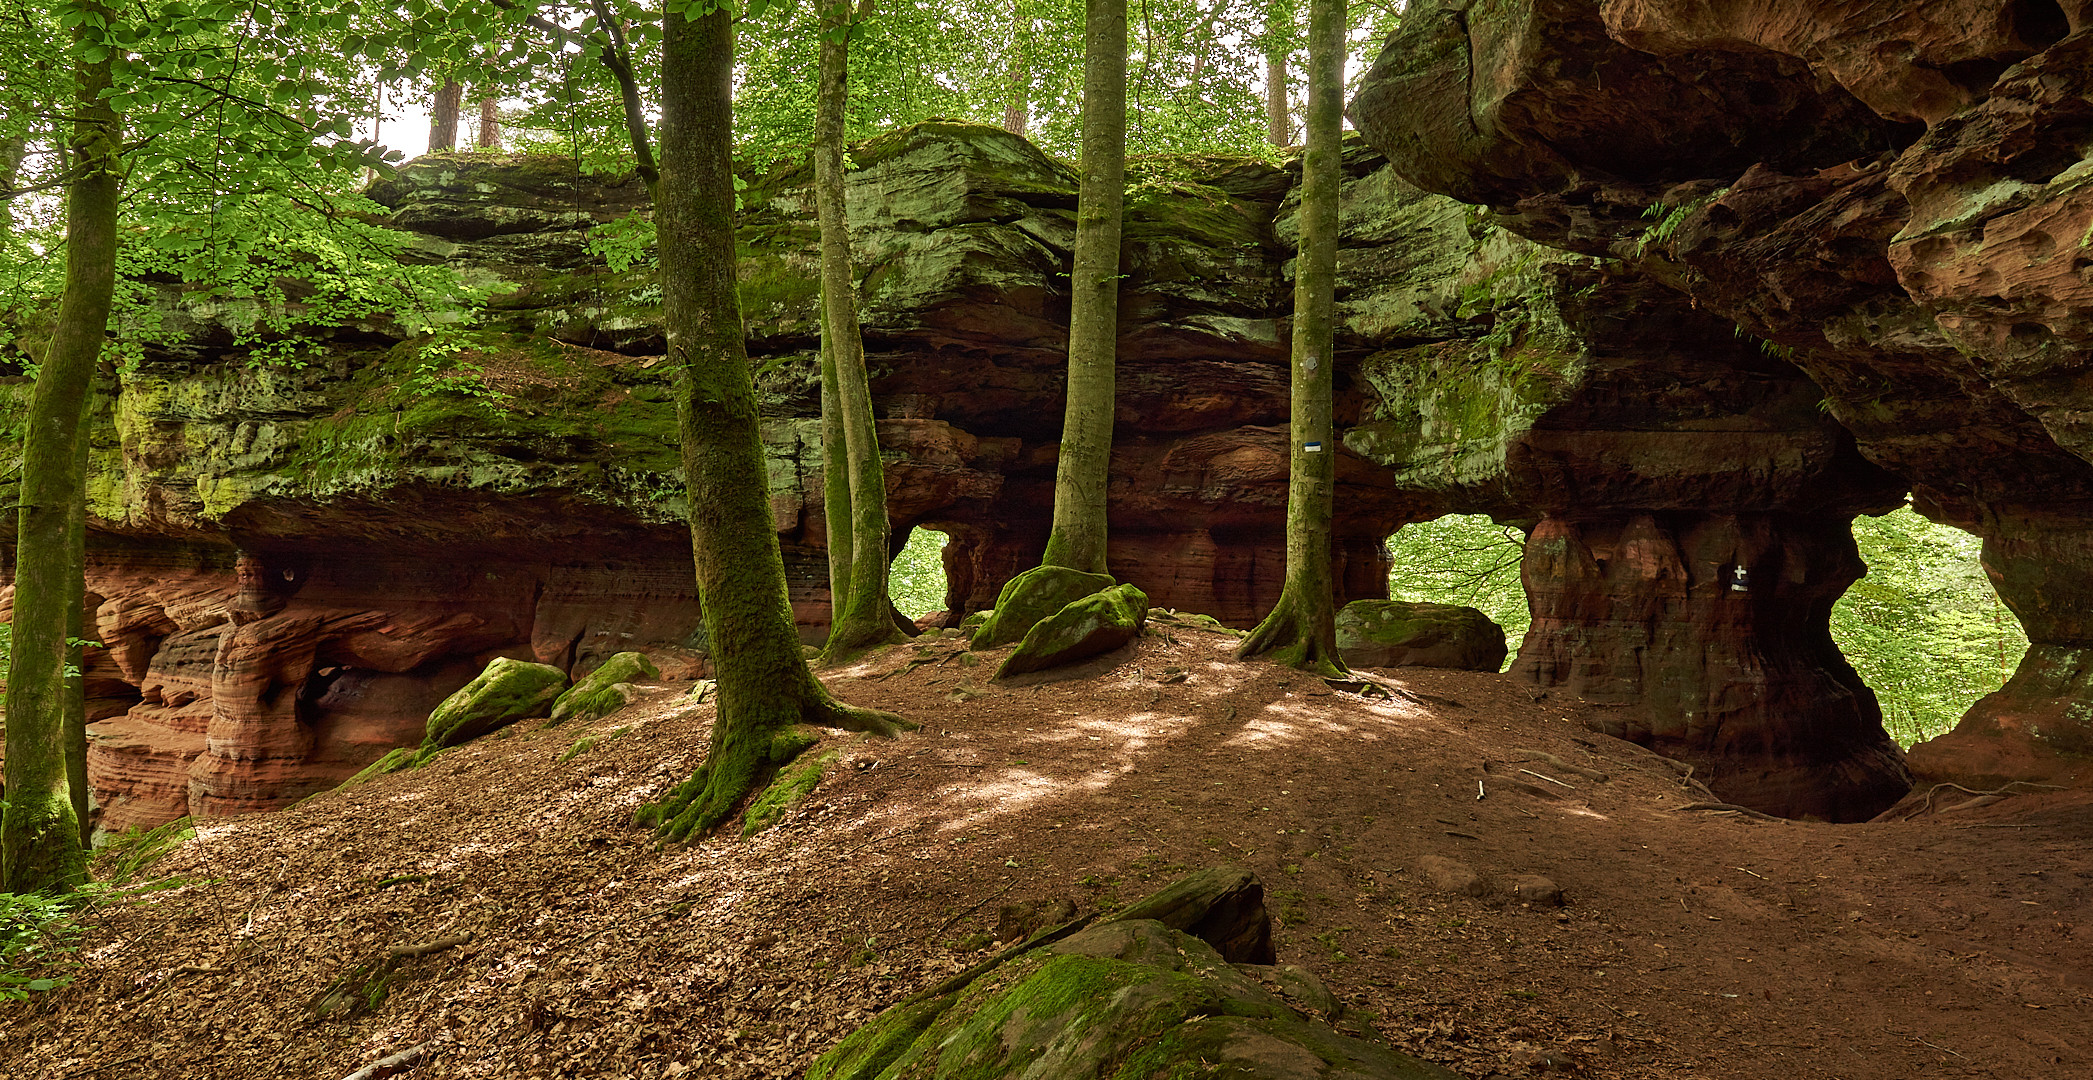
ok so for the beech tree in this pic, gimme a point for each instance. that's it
(765, 688)
(1084, 471)
(1300, 630)
(855, 491)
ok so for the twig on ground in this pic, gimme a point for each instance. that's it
(1593, 775)
(1730, 808)
(1550, 779)
(412, 952)
(1761, 877)
(394, 1064)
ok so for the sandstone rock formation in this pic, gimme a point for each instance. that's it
(1895, 198)
(1397, 633)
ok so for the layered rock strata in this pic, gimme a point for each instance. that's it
(1893, 196)
(358, 536)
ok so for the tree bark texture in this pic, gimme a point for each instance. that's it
(1279, 37)
(490, 125)
(11, 151)
(860, 617)
(1017, 108)
(1082, 477)
(765, 687)
(443, 115)
(41, 831)
(1300, 632)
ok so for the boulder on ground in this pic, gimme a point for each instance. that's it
(1400, 633)
(605, 690)
(1124, 999)
(508, 691)
(1087, 627)
(1032, 596)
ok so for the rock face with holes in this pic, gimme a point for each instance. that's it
(1896, 198)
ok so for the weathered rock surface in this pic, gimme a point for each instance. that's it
(1894, 196)
(1032, 596)
(1399, 633)
(1126, 999)
(598, 694)
(508, 691)
(1090, 626)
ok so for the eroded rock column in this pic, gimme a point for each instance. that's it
(1647, 616)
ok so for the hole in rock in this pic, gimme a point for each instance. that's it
(1924, 628)
(2039, 23)
(1464, 559)
(916, 583)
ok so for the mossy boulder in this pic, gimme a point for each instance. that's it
(508, 691)
(1032, 596)
(605, 690)
(1090, 626)
(1399, 633)
(1128, 999)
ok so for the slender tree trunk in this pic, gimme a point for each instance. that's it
(765, 687)
(862, 617)
(11, 151)
(490, 124)
(40, 832)
(443, 116)
(1279, 39)
(1299, 631)
(1084, 472)
(1017, 76)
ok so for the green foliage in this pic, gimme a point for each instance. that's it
(624, 243)
(1669, 218)
(917, 580)
(124, 858)
(1925, 629)
(36, 930)
(1462, 559)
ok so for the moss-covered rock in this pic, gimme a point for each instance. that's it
(1087, 627)
(1032, 596)
(508, 691)
(1399, 633)
(605, 690)
(1127, 1000)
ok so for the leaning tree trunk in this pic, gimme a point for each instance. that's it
(860, 617)
(443, 115)
(1084, 472)
(41, 830)
(1300, 630)
(764, 685)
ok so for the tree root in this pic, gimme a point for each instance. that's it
(2001, 791)
(1283, 639)
(395, 1064)
(1723, 807)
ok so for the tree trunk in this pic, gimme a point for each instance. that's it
(490, 124)
(1084, 471)
(11, 151)
(41, 831)
(1017, 79)
(1279, 39)
(861, 617)
(443, 116)
(764, 685)
(1300, 631)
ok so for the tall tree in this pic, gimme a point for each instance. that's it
(765, 687)
(1278, 46)
(1299, 631)
(861, 615)
(1017, 75)
(490, 122)
(41, 831)
(1082, 477)
(443, 115)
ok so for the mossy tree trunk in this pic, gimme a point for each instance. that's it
(443, 115)
(1083, 476)
(41, 832)
(1300, 631)
(765, 688)
(861, 615)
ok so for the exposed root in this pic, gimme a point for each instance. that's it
(1283, 639)
(1731, 808)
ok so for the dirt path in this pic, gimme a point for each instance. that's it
(1692, 945)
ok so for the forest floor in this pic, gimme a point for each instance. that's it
(566, 943)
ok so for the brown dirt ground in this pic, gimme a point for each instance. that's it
(1693, 944)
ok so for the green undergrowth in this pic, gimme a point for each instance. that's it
(40, 932)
